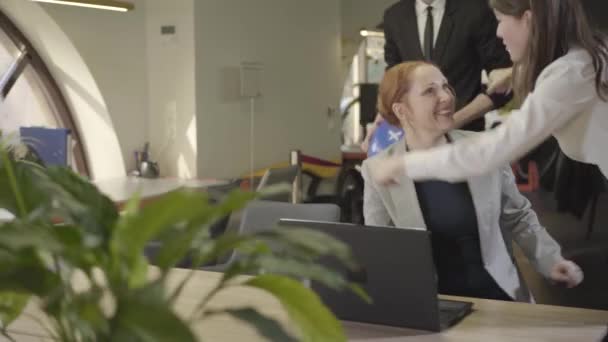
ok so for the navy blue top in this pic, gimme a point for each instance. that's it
(449, 214)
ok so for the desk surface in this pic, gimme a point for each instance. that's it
(491, 320)
(122, 189)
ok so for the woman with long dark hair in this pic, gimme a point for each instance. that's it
(560, 78)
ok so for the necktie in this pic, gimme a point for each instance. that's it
(428, 34)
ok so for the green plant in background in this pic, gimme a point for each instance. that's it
(40, 257)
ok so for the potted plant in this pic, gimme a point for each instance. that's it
(65, 228)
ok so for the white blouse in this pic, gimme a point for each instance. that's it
(564, 104)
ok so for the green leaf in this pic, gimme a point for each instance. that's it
(86, 205)
(11, 306)
(175, 247)
(8, 199)
(305, 309)
(76, 251)
(60, 192)
(18, 189)
(13, 236)
(133, 232)
(82, 312)
(133, 205)
(196, 238)
(145, 315)
(213, 249)
(315, 243)
(235, 200)
(24, 272)
(266, 327)
(139, 273)
(310, 270)
(359, 291)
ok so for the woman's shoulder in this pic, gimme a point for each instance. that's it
(392, 150)
(576, 64)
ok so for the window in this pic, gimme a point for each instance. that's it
(28, 94)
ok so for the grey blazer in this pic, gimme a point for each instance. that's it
(503, 215)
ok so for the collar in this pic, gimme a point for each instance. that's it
(448, 138)
(438, 5)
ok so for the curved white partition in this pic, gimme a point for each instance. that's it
(76, 82)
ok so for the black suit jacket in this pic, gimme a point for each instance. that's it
(466, 44)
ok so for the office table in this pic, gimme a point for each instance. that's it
(120, 190)
(491, 321)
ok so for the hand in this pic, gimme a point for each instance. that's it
(368, 136)
(370, 131)
(388, 171)
(566, 272)
(500, 81)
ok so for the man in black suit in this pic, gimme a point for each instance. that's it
(459, 36)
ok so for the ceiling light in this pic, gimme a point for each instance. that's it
(371, 33)
(111, 5)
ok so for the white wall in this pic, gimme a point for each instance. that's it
(298, 43)
(147, 81)
(182, 95)
(171, 88)
(114, 47)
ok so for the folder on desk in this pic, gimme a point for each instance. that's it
(51, 144)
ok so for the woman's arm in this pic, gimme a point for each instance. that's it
(563, 91)
(536, 243)
(518, 217)
(374, 211)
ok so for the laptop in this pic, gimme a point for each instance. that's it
(396, 270)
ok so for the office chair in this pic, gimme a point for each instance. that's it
(276, 176)
(260, 216)
(216, 194)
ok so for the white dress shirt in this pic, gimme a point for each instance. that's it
(438, 11)
(564, 104)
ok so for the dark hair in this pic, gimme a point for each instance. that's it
(556, 26)
(395, 83)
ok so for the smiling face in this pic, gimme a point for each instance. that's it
(428, 105)
(515, 33)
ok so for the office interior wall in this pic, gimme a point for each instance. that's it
(297, 44)
(113, 45)
(171, 86)
(78, 85)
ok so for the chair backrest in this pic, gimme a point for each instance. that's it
(51, 144)
(264, 215)
(285, 175)
(279, 175)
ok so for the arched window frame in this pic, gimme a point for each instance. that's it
(29, 56)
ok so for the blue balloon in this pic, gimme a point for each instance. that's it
(384, 136)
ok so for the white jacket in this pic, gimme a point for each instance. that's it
(564, 103)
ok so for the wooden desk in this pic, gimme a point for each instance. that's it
(491, 321)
